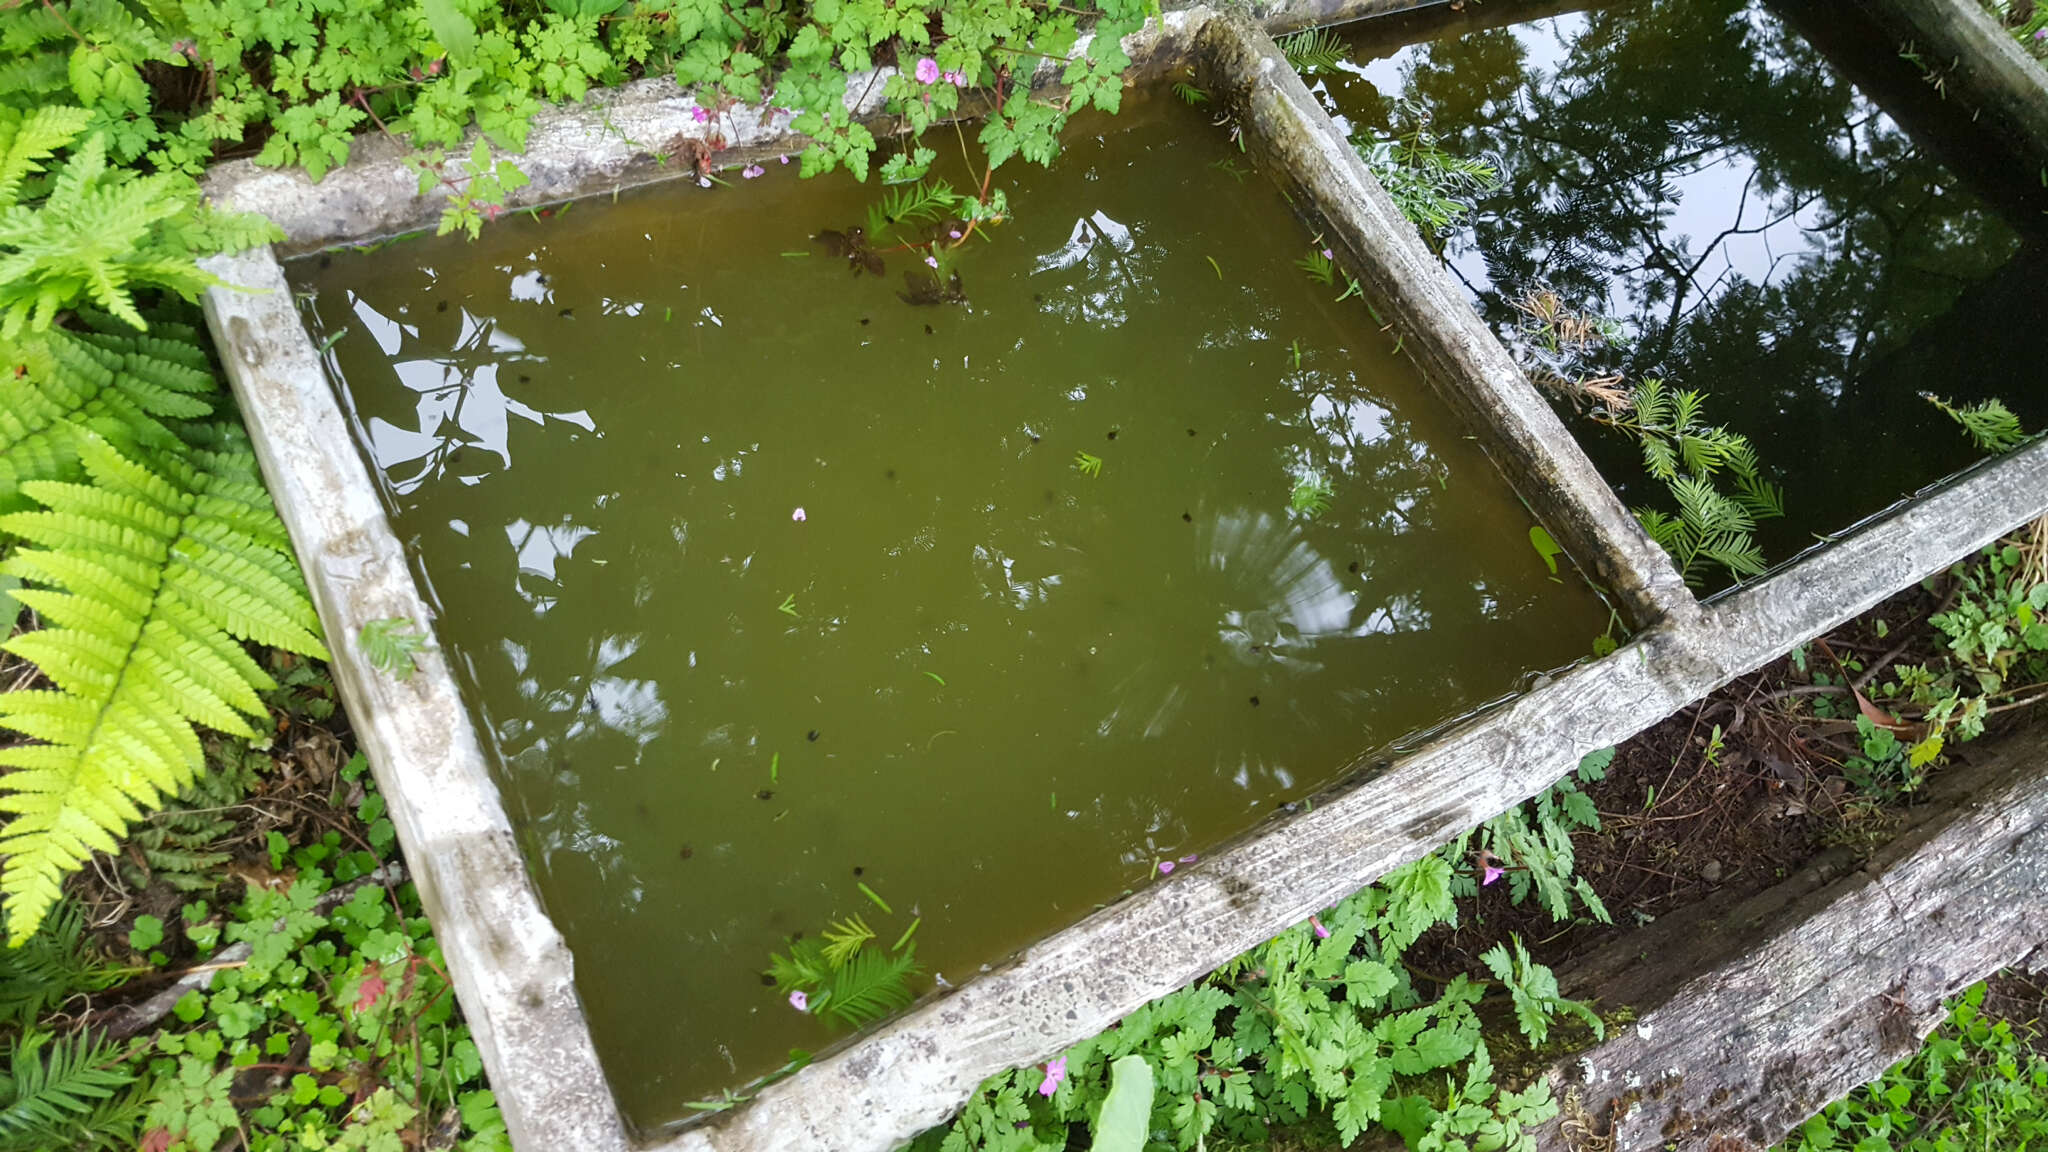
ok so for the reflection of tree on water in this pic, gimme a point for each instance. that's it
(1761, 231)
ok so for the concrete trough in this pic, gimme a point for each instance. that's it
(512, 972)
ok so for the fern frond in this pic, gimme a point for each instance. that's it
(147, 582)
(50, 967)
(1658, 458)
(48, 1101)
(1990, 425)
(845, 938)
(803, 969)
(28, 140)
(1760, 498)
(1652, 404)
(870, 985)
(1316, 50)
(1686, 411)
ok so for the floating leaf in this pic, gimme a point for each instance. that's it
(1546, 547)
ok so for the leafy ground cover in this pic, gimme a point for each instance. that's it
(1979, 1082)
(250, 971)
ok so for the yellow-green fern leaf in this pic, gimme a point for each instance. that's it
(121, 387)
(147, 580)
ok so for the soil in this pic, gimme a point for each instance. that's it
(1730, 795)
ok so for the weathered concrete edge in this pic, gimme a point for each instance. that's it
(1298, 144)
(1985, 67)
(625, 137)
(512, 973)
(912, 1073)
(1725, 1057)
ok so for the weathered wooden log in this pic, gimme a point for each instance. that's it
(1752, 1016)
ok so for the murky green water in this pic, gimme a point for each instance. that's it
(768, 584)
(1761, 228)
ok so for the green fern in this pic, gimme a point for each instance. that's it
(872, 984)
(122, 387)
(1990, 425)
(147, 581)
(845, 938)
(1317, 50)
(1686, 453)
(73, 1097)
(99, 232)
(179, 846)
(50, 967)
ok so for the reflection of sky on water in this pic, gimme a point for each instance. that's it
(460, 405)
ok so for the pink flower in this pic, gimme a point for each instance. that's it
(1055, 1072)
(1490, 873)
(1329, 255)
(1190, 858)
(784, 159)
(799, 1001)
(1165, 867)
(932, 260)
(956, 79)
(927, 70)
(752, 170)
(1322, 933)
(699, 114)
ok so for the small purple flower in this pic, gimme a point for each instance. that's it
(784, 159)
(752, 170)
(799, 1001)
(1322, 933)
(956, 79)
(1490, 873)
(798, 516)
(699, 114)
(1329, 255)
(932, 260)
(953, 232)
(1190, 858)
(927, 70)
(1055, 1072)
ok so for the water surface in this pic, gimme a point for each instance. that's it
(766, 584)
(1758, 226)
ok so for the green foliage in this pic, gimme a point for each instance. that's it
(1978, 1083)
(172, 86)
(67, 1092)
(1126, 1117)
(180, 845)
(1990, 425)
(1088, 464)
(146, 579)
(99, 231)
(1433, 188)
(1534, 991)
(1532, 843)
(1324, 1020)
(1316, 50)
(391, 645)
(846, 975)
(49, 967)
(1712, 526)
(1996, 655)
(348, 987)
(1311, 496)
